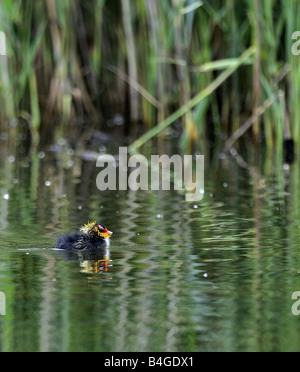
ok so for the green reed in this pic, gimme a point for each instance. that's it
(149, 59)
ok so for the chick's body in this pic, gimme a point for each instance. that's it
(91, 236)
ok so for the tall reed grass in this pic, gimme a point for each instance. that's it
(71, 63)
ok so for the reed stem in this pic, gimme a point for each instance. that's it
(192, 102)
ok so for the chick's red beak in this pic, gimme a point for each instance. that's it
(108, 232)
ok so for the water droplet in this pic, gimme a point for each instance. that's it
(286, 167)
(102, 149)
(233, 152)
(70, 151)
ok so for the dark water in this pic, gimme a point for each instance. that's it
(217, 275)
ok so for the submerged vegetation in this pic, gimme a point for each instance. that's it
(217, 68)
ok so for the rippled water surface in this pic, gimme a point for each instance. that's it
(217, 275)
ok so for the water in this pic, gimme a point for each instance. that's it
(211, 276)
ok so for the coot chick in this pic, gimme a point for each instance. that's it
(91, 236)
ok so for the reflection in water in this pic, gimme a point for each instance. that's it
(91, 261)
(94, 267)
(217, 275)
